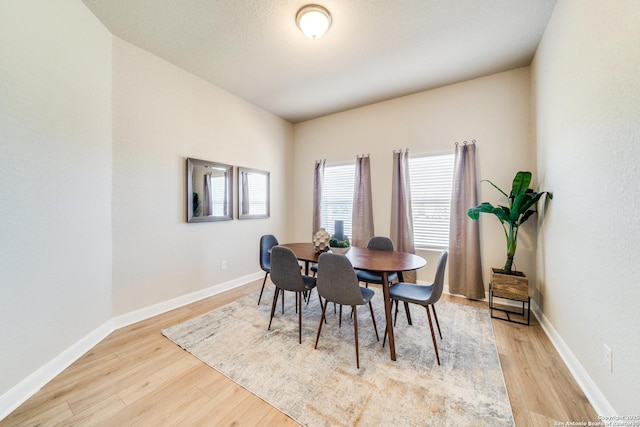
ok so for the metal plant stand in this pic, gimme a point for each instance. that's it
(525, 310)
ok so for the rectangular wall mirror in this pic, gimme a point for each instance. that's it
(209, 191)
(253, 193)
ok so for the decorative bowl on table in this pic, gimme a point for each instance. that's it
(340, 251)
(338, 246)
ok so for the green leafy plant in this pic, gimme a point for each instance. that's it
(335, 243)
(522, 204)
(196, 204)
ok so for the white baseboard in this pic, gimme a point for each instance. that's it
(18, 394)
(599, 402)
(156, 309)
(588, 386)
(26, 388)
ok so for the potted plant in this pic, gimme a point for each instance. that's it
(522, 205)
(196, 204)
(339, 246)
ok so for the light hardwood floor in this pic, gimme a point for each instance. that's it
(135, 376)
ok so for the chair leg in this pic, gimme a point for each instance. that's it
(282, 302)
(263, 283)
(384, 340)
(273, 306)
(433, 335)
(395, 316)
(340, 317)
(386, 332)
(299, 317)
(375, 328)
(355, 332)
(406, 310)
(433, 307)
(324, 309)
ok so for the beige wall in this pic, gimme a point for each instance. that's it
(494, 110)
(55, 182)
(588, 104)
(161, 116)
(95, 133)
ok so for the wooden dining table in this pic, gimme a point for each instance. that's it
(382, 262)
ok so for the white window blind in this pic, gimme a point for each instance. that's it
(337, 197)
(431, 186)
(218, 186)
(257, 193)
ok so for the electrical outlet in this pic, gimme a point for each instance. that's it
(607, 357)
(223, 264)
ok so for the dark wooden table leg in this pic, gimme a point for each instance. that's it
(387, 312)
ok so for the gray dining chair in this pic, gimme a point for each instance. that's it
(380, 243)
(267, 242)
(337, 283)
(424, 295)
(286, 276)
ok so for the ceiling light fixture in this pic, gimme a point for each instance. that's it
(314, 20)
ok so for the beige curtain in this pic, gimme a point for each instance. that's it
(207, 200)
(362, 213)
(465, 269)
(401, 215)
(318, 178)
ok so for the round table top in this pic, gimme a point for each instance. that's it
(364, 258)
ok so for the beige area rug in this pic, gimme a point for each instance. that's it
(323, 387)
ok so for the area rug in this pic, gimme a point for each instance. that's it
(323, 387)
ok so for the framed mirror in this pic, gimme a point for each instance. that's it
(253, 193)
(209, 191)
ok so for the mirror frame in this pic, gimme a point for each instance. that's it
(242, 215)
(191, 163)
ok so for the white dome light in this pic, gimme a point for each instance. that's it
(314, 20)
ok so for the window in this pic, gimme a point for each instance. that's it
(256, 193)
(337, 197)
(431, 186)
(218, 189)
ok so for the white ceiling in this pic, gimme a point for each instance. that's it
(375, 49)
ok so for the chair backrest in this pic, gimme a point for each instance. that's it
(285, 270)
(337, 281)
(380, 243)
(266, 242)
(438, 282)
